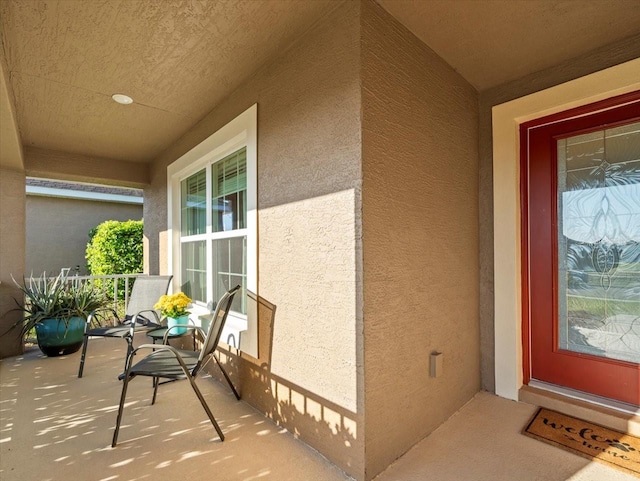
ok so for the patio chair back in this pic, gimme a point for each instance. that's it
(146, 292)
(215, 329)
(106, 322)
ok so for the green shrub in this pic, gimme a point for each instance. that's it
(115, 248)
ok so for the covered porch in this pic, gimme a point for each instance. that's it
(382, 220)
(56, 426)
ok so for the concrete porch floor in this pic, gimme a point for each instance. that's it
(57, 427)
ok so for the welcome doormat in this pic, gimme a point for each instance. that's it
(617, 449)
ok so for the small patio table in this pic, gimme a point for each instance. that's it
(158, 334)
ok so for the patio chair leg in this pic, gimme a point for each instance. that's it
(226, 376)
(129, 349)
(120, 410)
(85, 341)
(155, 390)
(206, 407)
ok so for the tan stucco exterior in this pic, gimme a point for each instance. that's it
(11, 152)
(375, 237)
(12, 254)
(309, 374)
(420, 171)
(52, 246)
(357, 287)
(52, 164)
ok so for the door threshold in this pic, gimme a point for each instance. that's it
(598, 410)
(586, 397)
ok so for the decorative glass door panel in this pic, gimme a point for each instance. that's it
(581, 248)
(599, 243)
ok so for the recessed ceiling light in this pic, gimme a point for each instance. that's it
(122, 99)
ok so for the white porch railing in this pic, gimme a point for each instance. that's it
(112, 284)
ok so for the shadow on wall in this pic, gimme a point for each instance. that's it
(312, 418)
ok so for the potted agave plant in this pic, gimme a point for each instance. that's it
(57, 308)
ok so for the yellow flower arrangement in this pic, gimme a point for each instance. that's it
(174, 305)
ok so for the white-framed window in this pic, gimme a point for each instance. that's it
(212, 221)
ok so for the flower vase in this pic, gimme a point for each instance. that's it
(173, 321)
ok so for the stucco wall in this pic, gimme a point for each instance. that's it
(309, 375)
(420, 238)
(594, 61)
(58, 228)
(12, 254)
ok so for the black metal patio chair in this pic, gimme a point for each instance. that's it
(139, 316)
(167, 362)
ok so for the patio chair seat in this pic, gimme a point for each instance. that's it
(124, 329)
(164, 364)
(109, 332)
(118, 331)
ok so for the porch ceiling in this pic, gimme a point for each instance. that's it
(491, 42)
(178, 60)
(175, 59)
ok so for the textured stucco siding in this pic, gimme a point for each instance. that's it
(52, 246)
(308, 376)
(50, 164)
(420, 238)
(12, 249)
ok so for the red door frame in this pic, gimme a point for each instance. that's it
(582, 118)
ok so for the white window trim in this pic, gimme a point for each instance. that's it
(240, 132)
(507, 117)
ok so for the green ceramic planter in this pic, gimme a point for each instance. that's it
(55, 338)
(172, 321)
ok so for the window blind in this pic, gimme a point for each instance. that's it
(230, 174)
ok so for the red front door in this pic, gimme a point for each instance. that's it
(581, 248)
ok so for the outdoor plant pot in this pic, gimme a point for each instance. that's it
(57, 337)
(173, 321)
(57, 308)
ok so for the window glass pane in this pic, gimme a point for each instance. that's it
(230, 269)
(599, 243)
(229, 191)
(194, 270)
(193, 194)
